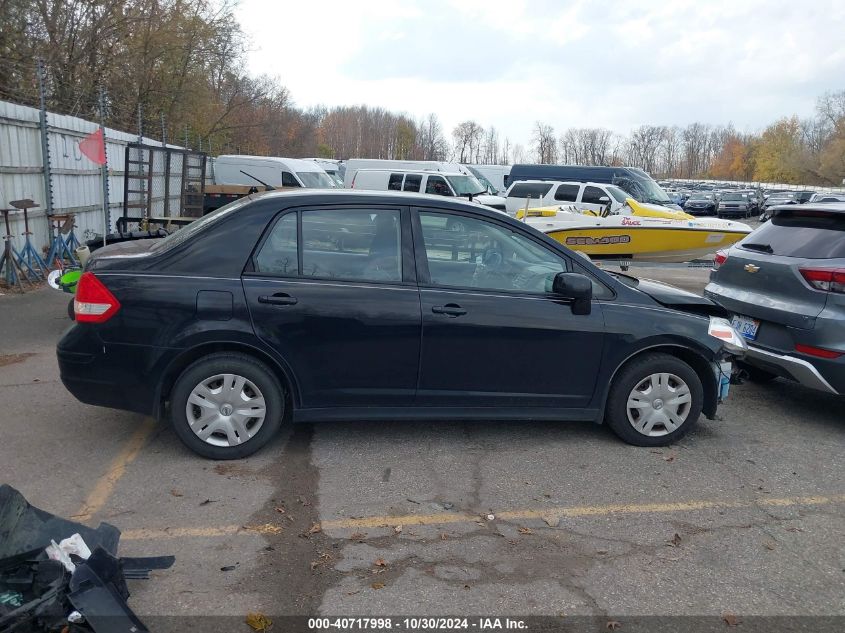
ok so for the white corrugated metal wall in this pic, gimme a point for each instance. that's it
(77, 185)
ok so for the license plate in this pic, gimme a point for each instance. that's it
(746, 326)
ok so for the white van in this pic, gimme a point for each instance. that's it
(234, 169)
(331, 166)
(354, 164)
(496, 175)
(587, 196)
(439, 183)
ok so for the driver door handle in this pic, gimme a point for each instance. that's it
(450, 309)
(278, 299)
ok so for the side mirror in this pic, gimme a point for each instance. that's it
(576, 287)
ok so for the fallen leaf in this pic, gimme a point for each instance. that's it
(601, 552)
(552, 521)
(207, 501)
(380, 562)
(525, 530)
(314, 528)
(612, 625)
(444, 536)
(259, 622)
(466, 586)
(769, 545)
(674, 541)
(398, 529)
(176, 493)
(669, 458)
(229, 567)
(280, 509)
(357, 536)
(794, 529)
(730, 619)
(377, 585)
(315, 564)
(352, 593)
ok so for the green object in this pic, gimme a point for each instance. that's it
(68, 281)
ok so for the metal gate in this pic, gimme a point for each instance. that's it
(162, 185)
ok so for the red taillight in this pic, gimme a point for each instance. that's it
(721, 258)
(94, 302)
(827, 279)
(817, 351)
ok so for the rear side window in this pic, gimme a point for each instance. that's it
(395, 182)
(592, 195)
(288, 180)
(533, 190)
(809, 234)
(352, 244)
(278, 254)
(412, 182)
(567, 193)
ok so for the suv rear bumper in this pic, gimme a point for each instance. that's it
(799, 370)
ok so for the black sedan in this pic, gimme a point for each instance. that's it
(326, 305)
(701, 203)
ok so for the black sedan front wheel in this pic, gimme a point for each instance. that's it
(226, 406)
(654, 400)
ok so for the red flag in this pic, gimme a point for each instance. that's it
(94, 147)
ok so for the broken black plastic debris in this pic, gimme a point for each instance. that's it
(49, 593)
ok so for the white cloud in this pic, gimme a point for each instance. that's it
(577, 63)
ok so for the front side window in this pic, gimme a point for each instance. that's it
(412, 182)
(288, 180)
(438, 186)
(394, 183)
(278, 254)
(471, 253)
(567, 193)
(352, 244)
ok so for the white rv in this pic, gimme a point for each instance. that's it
(234, 169)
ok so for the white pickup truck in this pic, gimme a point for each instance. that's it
(586, 196)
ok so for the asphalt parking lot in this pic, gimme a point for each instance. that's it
(744, 516)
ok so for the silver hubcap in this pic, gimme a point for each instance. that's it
(225, 410)
(659, 404)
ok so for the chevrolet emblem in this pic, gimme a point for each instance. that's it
(751, 268)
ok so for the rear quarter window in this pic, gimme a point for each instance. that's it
(529, 190)
(808, 234)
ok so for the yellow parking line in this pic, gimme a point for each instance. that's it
(106, 483)
(446, 518)
(150, 534)
(577, 511)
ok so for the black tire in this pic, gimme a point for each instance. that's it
(71, 313)
(243, 365)
(630, 376)
(755, 374)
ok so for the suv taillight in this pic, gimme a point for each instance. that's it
(94, 302)
(827, 279)
(721, 258)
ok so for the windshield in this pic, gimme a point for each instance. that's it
(735, 197)
(316, 180)
(465, 185)
(642, 189)
(701, 196)
(617, 193)
(490, 188)
(180, 235)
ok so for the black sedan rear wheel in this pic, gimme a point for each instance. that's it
(226, 405)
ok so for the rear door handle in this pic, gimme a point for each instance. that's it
(278, 299)
(450, 309)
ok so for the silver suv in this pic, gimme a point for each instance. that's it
(784, 285)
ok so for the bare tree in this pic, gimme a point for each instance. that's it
(432, 143)
(467, 137)
(545, 144)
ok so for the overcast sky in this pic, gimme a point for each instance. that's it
(569, 64)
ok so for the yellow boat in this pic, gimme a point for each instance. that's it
(638, 232)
